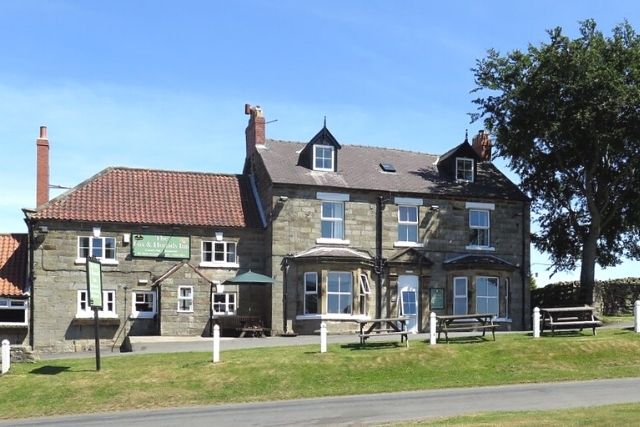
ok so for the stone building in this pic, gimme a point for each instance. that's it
(344, 232)
(166, 241)
(356, 232)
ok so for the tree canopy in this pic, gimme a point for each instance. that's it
(566, 116)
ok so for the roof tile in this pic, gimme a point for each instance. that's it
(143, 196)
(13, 264)
(358, 168)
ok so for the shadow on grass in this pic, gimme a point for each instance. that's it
(374, 345)
(50, 370)
(471, 339)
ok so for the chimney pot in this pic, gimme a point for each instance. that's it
(43, 132)
(255, 132)
(482, 145)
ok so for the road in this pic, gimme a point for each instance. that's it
(368, 409)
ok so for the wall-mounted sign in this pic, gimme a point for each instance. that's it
(94, 282)
(155, 246)
(436, 298)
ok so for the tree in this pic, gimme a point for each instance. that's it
(566, 116)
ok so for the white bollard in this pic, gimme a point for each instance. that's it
(536, 322)
(636, 311)
(216, 343)
(323, 337)
(432, 328)
(6, 356)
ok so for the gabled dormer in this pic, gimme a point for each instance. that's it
(321, 153)
(460, 163)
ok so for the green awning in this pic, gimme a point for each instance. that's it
(250, 277)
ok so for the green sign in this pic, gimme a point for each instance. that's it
(154, 246)
(94, 282)
(436, 298)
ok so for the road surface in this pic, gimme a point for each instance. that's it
(367, 409)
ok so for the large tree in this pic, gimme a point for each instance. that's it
(566, 116)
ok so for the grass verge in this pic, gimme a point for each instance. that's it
(607, 415)
(69, 386)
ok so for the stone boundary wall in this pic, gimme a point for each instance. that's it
(612, 297)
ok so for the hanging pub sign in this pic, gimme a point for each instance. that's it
(94, 282)
(157, 246)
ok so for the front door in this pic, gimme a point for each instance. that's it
(408, 292)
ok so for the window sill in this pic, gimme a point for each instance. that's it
(207, 264)
(400, 244)
(224, 314)
(481, 248)
(11, 325)
(325, 241)
(138, 316)
(80, 261)
(332, 316)
(184, 311)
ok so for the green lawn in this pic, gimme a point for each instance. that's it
(608, 415)
(145, 381)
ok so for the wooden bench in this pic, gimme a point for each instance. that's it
(382, 328)
(466, 323)
(568, 318)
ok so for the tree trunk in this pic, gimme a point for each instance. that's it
(588, 268)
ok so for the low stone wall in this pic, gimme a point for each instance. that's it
(23, 354)
(611, 297)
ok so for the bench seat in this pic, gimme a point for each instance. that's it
(467, 327)
(404, 335)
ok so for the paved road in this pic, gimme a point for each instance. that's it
(369, 409)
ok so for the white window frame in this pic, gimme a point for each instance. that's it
(212, 254)
(464, 296)
(84, 311)
(308, 292)
(464, 161)
(144, 314)
(323, 158)
(339, 293)
(486, 229)
(487, 297)
(402, 302)
(365, 290)
(227, 303)
(412, 224)
(81, 259)
(15, 304)
(188, 299)
(333, 220)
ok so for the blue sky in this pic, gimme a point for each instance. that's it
(162, 84)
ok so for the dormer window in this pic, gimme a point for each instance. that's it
(464, 169)
(323, 156)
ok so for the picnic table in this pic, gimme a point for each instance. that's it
(242, 325)
(569, 318)
(466, 322)
(383, 327)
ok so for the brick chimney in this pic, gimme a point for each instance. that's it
(482, 144)
(254, 132)
(42, 168)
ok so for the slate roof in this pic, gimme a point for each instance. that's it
(359, 168)
(13, 264)
(472, 261)
(144, 196)
(333, 251)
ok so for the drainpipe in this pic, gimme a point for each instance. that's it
(378, 266)
(284, 267)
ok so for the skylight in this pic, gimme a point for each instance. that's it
(387, 167)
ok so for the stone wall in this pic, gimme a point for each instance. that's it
(444, 234)
(58, 276)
